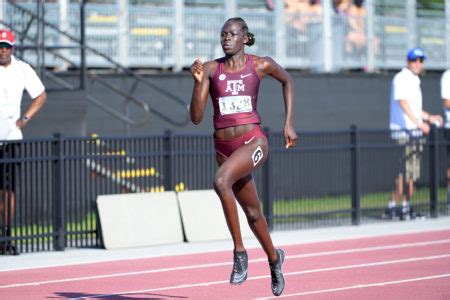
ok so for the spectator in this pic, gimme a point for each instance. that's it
(15, 77)
(356, 39)
(299, 13)
(341, 6)
(445, 94)
(270, 5)
(305, 16)
(241, 145)
(408, 122)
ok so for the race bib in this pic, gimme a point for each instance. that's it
(235, 104)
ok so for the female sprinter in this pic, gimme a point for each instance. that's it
(240, 143)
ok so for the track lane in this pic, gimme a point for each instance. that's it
(203, 275)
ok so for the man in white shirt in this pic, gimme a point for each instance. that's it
(408, 122)
(15, 77)
(445, 94)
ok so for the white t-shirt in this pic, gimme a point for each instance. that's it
(14, 79)
(405, 86)
(445, 94)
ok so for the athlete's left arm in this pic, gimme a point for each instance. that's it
(267, 66)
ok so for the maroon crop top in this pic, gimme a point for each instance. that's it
(235, 95)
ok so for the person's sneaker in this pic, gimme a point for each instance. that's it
(276, 273)
(8, 249)
(240, 266)
(391, 210)
(405, 212)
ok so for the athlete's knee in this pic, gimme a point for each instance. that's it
(221, 183)
(253, 215)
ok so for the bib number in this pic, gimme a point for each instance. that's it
(235, 104)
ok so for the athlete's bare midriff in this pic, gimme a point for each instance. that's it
(230, 133)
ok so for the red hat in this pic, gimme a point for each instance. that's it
(7, 36)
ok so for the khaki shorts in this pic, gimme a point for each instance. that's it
(413, 149)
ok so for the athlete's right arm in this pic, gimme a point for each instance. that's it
(201, 74)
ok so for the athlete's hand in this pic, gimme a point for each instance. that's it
(290, 137)
(197, 70)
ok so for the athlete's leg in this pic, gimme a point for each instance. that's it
(239, 165)
(247, 196)
(234, 179)
(224, 191)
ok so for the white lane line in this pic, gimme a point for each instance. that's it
(360, 286)
(381, 263)
(290, 257)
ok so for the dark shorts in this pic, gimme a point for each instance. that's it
(226, 148)
(7, 169)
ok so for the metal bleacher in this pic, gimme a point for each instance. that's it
(55, 50)
(150, 35)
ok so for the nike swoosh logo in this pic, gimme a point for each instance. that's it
(241, 276)
(248, 141)
(246, 75)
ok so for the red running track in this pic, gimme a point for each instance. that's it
(408, 266)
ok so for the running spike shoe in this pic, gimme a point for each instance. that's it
(240, 266)
(276, 273)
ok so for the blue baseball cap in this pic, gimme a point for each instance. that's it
(415, 53)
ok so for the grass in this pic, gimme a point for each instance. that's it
(285, 211)
(84, 229)
(341, 205)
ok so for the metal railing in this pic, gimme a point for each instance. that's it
(51, 44)
(329, 179)
(174, 34)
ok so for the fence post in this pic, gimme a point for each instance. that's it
(59, 230)
(280, 33)
(179, 36)
(83, 62)
(327, 37)
(434, 171)
(355, 175)
(267, 186)
(167, 158)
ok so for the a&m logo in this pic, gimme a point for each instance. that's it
(235, 86)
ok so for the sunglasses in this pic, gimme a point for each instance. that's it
(417, 59)
(5, 45)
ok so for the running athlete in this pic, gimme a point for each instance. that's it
(241, 145)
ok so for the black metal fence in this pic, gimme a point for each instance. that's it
(330, 178)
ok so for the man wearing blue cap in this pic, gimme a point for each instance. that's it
(408, 123)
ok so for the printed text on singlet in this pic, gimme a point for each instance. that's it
(235, 103)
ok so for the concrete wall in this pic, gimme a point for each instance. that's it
(323, 102)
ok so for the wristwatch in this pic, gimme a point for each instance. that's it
(25, 119)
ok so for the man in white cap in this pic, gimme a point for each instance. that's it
(15, 77)
(408, 123)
